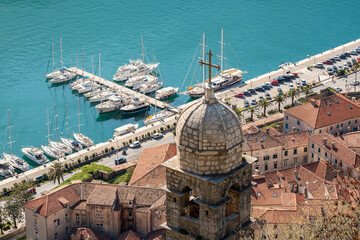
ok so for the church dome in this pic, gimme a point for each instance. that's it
(209, 138)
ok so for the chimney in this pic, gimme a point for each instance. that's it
(332, 145)
(306, 191)
(324, 141)
(293, 129)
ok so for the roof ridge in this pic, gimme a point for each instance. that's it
(145, 175)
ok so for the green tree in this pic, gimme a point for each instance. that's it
(264, 104)
(239, 113)
(279, 99)
(2, 219)
(293, 93)
(13, 208)
(56, 172)
(307, 91)
(251, 110)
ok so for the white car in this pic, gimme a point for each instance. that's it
(319, 65)
(291, 86)
(135, 144)
(157, 135)
(253, 101)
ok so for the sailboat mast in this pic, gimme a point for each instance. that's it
(83, 63)
(9, 131)
(99, 66)
(53, 53)
(67, 122)
(61, 58)
(222, 49)
(204, 57)
(79, 113)
(48, 125)
(92, 65)
(142, 48)
(56, 128)
(77, 61)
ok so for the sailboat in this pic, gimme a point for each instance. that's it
(223, 80)
(11, 158)
(76, 145)
(55, 73)
(84, 140)
(59, 145)
(51, 151)
(136, 67)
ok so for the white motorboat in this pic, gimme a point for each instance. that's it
(114, 103)
(136, 67)
(85, 84)
(56, 73)
(6, 170)
(136, 105)
(139, 80)
(160, 116)
(16, 162)
(61, 147)
(125, 129)
(88, 87)
(35, 154)
(146, 82)
(166, 93)
(80, 80)
(149, 88)
(75, 145)
(52, 152)
(64, 77)
(95, 92)
(84, 140)
(103, 96)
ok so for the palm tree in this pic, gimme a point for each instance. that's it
(307, 91)
(264, 104)
(239, 113)
(293, 93)
(279, 99)
(251, 110)
(56, 172)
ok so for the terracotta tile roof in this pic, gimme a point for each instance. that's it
(129, 235)
(101, 195)
(53, 202)
(123, 166)
(351, 139)
(89, 234)
(261, 195)
(159, 234)
(327, 111)
(275, 216)
(259, 139)
(293, 140)
(342, 152)
(149, 171)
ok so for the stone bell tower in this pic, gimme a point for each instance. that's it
(208, 182)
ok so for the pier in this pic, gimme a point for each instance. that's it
(120, 88)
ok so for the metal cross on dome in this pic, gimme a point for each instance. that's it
(202, 62)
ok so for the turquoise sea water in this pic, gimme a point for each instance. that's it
(263, 34)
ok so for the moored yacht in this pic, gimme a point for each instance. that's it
(95, 92)
(56, 73)
(6, 170)
(16, 162)
(114, 103)
(166, 93)
(146, 82)
(52, 152)
(102, 96)
(139, 80)
(84, 140)
(35, 154)
(75, 145)
(136, 105)
(61, 147)
(149, 88)
(88, 87)
(160, 116)
(80, 80)
(64, 77)
(136, 67)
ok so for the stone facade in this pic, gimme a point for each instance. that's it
(208, 182)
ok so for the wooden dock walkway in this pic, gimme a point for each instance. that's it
(122, 89)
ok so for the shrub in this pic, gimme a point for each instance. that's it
(6, 227)
(79, 161)
(86, 158)
(93, 155)
(124, 143)
(112, 148)
(248, 119)
(148, 134)
(287, 106)
(106, 150)
(168, 126)
(87, 177)
(130, 140)
(162, 129)
(136, 138)
(66, 166)
(174, 124)
(174, 132)
(8, 223)
(4, 190)
(272, 111)
(154, 131)
(244, 158)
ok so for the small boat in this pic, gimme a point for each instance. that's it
(140, 80)
(95, 92)
(125, 129)
(160, 116)
(61, 147)
(52, 152)
(6, 170)
(166, 93)
(114, 103)
(35, 154)
(84, 140)
(80, 80)
(88, 87)
(56, 73)
(145, 83)
(16, 162)
(149, 88)
(64, 77)
(136, 105)
(103, 96)
(75, 145)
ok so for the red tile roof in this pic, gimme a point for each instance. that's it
(257, 139)
(89, 234)
(275, 216)
(157, 235)
(129, 235)
(326, 111)
(149, 171)
(293, 140)
(351, 139)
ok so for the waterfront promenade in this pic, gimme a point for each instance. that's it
(118, 141)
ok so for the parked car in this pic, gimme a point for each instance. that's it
(295, 74)
(343, 56)
(120, 160)
(251, 90)
(353, 60)
(246, 103)
(135, 144)
(340, 67)
(347, 54)
(337, 57)
(354, 83)
(303, 82)
(346, 66)
(261, 97)
(268, 85)
(267, 96)
(353, 52)
(298, 85)
(330, 71)
(275, 82)
(349, 63)
(280, 92)
(338, 89)
(332, 59)
(287, 77)
(253, 101)
(31, 190)
(265, 86)
(259, 89)
(247, 93)
(358, 59)
(327, 62)
(291, 86)
(358, 50)
(239, 95)
(279, 79)
(157, 135)
(319, 65)
(335, 69)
